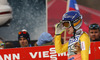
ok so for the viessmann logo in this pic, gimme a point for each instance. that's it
(47, 54)
(40, 55)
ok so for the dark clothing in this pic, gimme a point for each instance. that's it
(95, 40)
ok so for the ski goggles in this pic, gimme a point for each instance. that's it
(66, 23)
(94, 26)
(2, 44)
(22, 32)
(76, 22)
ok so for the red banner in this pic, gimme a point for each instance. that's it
(32, 53)
(43, 53)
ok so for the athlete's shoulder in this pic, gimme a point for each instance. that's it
(84, 35)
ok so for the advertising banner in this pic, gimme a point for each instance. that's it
(44, 53)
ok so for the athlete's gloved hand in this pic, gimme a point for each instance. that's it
(76, 47)
(59, 28)
(44, 38)
(73, 49)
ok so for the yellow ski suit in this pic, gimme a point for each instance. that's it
(85, 44)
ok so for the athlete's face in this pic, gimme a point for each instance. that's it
(23, 42)
(94, 34)
(70, 30)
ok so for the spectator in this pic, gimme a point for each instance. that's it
(2, 43)
(94, 32)
(24, 38)
(9, 45)
(44, 39)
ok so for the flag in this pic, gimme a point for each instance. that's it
(73, 6)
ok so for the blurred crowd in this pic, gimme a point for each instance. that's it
(46, 38)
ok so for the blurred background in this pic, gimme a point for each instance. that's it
(89, 9)
(94, 4)
(31, 15)
(27, 14)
